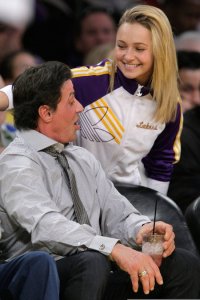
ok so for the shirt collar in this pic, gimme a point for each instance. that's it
(129, 84)
(38, 140)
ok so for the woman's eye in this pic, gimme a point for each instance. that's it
(121, 47)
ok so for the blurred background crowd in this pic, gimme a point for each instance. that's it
(67, 30)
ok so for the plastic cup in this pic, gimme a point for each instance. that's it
(152, 244)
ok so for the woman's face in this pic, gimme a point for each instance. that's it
(133, 52)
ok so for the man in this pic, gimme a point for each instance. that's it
(39, 206)
(184, 185)
(189, 78)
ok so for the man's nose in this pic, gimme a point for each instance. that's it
(79, 107)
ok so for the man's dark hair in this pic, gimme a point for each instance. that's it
(40, 85)
(188, 60)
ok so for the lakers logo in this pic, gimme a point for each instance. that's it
(146, 126)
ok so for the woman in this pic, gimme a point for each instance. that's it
(132, 117)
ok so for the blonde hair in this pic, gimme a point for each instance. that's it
(164, 83)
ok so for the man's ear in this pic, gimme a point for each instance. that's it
(45, 113)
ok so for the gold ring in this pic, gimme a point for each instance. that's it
(143, 273)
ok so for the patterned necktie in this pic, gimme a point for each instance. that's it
(80, 212)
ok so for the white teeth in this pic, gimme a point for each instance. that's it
(130, 65)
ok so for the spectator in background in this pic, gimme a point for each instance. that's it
(117, 7)
(49, 35)
(95, 26)
(15, 63)
(189, 78)
(183, 15)
(16, 13)
(11, 67)
(10, 39)
(185, 181)
(188, 41)
(14, 17)
(31, 276)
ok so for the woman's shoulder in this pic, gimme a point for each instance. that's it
(102, 68)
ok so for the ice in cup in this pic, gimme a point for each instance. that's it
(152, 244)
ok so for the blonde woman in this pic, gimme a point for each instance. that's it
(132, 117)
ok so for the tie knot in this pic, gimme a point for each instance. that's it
(51, 151)
(60, 156)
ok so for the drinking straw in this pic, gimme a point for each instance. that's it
(154, 219)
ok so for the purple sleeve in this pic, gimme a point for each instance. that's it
(159, 161)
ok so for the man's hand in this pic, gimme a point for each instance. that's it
(160, 228)
(135, 263)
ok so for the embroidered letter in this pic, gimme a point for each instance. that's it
(146, 126)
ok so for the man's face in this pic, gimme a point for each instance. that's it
(97, 29)
(64, 120)
(189, 88)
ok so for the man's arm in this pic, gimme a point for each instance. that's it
(35, 209)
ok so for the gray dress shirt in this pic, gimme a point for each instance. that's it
(36, 208)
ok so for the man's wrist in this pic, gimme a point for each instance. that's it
(110, 257)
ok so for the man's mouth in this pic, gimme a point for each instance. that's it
(77, 122)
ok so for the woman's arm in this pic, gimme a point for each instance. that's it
(6, 98)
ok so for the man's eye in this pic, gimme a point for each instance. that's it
(72, 102)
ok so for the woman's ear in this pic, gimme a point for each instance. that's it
(45, 113)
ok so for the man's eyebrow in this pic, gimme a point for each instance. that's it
(71, 94)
